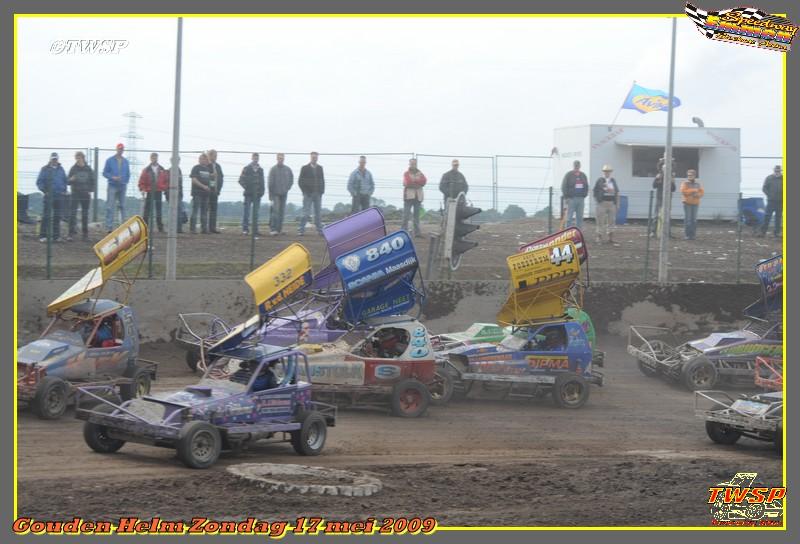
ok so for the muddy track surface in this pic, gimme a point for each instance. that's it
(634, 455)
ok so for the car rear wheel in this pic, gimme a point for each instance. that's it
(410, 398)
(700, 374)
(50, 401)
(721, 433)
(139, 386)
(441, 389)
(96, 436)
(570, 391)
(309, 439)
(192, 358)
(199, 445)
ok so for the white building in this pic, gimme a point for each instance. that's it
(633, 152)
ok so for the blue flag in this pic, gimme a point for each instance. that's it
(647, 100)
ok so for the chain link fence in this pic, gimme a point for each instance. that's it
(509, 188)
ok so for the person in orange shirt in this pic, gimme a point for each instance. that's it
(692, 192)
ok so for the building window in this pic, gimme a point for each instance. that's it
(645, 161)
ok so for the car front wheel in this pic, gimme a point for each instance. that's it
(199, 445)
(309, 439)
(50, 401)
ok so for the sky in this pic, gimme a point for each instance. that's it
(446, 86)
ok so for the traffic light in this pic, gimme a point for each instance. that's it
(458, 212)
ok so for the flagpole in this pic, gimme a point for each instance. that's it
(663, 252)
(623, 103)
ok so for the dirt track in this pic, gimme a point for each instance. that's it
(710, 258)
(634, 455)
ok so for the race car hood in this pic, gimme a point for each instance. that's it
(471, 350)
(46, 352)
(720, 340)
(194, 395)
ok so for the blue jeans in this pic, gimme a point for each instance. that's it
(251, 206)
(690, 220)
(575, 207)
(115, 198)
(360, 203)
(775, 207)
(309, 200)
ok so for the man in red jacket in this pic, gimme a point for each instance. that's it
(413, 182)
(153, 182)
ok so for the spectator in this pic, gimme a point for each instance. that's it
(692, 193)
(413, 182)
(281, 180)
(153, 181)
(201, 189)
(83, 183)
(606, 193)
(658, 185)
(52, 181)
(453, 182)
(252, 181)
(215, 183)
(574, 189)
(360, 185)
(773, 189)
(182, 218)
(118, 172)
(312, 183)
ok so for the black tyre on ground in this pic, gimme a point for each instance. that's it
(192, 358)
(309, 439)
(441, 390)
(699, 374)
(570, 390)
(139, 386)
(721, 433)
(778, 442)
(50, 401)
(199, 444)
(96, 436)
(410, 398)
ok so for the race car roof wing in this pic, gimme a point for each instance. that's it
(770, 276)
(275, 284)
(346, 235)
(380, 278)
(116, 250)
(571, 234)
(541, 282)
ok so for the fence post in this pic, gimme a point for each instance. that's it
(647, 242)
(49, 206)
(494, 184)
(253, 211)
(739, 239)
(149, 199)
(550, 210)
(96, 158)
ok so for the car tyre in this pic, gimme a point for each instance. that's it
(309, 439)
(410, 398)
(192, 358)
(95, 435)
(700, 374)
(50, 401)
(139, 386)
(199, 444)
(570, 390)
(441, 390)
(721, 433)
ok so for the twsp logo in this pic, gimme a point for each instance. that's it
(741, 501)
(746, 26)
(87, 47)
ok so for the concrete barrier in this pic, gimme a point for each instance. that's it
(450, 306)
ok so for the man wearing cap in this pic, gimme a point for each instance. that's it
(606, 193)
(153, 182)
(575, 188)
(118, 172)
(773, 189)
(52, 181)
